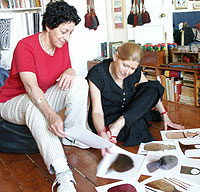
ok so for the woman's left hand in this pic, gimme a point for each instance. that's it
(66, 79)
(168, 122)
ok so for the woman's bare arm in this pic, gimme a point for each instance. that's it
(37, 96)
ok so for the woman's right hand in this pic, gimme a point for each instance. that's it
(56, 125)
(104, 135)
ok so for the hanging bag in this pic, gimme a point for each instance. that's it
(94, 16)
(88, 17)
(139, 14)
(135, 15)
(145, 14)
(130, 19)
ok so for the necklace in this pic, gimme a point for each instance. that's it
(51, 52)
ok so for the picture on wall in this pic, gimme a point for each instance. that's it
(181, 4)
(196, 5)
(118, 14)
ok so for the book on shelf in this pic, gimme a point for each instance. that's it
(187, 91)
(149, 73)
(150, 77)
(167, 88)
(171, 73)
(188, 76)
(188, 83)
(186, 100)
(172, 87)
(162, 80)
(32, 22)
(37, 3)
(104, 49)
(27, 4)
(113, 46)
(177, 87)
(5, 4)
(36, 22)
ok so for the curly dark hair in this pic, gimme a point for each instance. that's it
(59, 12)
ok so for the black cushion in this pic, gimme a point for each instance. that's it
(16, 138)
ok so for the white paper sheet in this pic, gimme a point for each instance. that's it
(154, 156)
(131, 181)
(192, 188)
(191, 163)
(164, 138)
(142, 151)
(88, 138)
(102, 169)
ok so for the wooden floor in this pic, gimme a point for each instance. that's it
(27, 172)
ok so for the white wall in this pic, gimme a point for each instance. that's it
(85, 43)
(119, 34)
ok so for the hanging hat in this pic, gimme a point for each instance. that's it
(165, 163)
(122, 188)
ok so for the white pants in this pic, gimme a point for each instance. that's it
(21, 110)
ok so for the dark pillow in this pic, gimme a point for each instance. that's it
(16, 138)
(3, 76)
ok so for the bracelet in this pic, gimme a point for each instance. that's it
(39, 101)
(99, 132)
(165, 112)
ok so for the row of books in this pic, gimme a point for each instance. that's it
(32, 22)
(13, 4)
(179, 89)
(108, 48)
(149, 73)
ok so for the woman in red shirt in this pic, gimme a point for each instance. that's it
(41, 83)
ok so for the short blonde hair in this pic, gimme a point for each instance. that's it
(130, 51)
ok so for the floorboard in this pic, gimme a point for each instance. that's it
(28, 173)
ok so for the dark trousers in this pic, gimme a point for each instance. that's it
(136, 129)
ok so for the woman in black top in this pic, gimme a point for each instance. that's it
(121, 97)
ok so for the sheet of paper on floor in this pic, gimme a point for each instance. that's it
(154, 156)
(164, 138)
(191, 163)
(131, 181)
(142, 151)
(192, 187)
(102, 169)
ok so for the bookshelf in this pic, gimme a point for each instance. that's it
(29, 10)
(181, 73)
(20, 18)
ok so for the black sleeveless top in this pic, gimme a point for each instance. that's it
(114, 99)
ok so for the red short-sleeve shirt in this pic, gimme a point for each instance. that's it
(29, 56)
